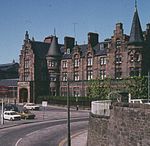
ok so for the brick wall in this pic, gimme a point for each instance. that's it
(128, 125)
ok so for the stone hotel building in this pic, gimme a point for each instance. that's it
(49, 67)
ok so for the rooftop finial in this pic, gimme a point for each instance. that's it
(135, 4)
(54, 32)
(26, 35)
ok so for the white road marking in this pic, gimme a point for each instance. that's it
(33, 132)
(18, 142)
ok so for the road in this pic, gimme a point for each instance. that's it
(49, 132)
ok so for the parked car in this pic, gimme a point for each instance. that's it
(11, 115)
(26, 114)
(31, 106)
(11, 107)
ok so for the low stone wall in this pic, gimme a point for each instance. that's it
(127, 125)
(98, 130)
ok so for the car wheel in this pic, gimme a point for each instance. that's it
(11, 119)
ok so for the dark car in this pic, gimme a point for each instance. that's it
(11, 107)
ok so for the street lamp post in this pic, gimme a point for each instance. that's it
(2, 117)
(148, 85)
(68, 112)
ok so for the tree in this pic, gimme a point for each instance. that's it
(93, 88)
(99, 89)
(137, 86)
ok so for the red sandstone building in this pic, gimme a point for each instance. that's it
(48, 67)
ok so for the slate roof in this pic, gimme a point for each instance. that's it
(40, 48)
(97, 49)
(5, 67)
(54, 49)
(136, 35)
(8, 82)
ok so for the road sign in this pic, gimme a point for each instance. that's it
(44, 103)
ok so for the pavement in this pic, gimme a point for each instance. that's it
(78, 139)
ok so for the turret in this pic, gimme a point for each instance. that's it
(54, 50)
(53, 63)
(136, 47)
(136, 34)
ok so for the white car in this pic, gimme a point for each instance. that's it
(31, 106)
(11, 115)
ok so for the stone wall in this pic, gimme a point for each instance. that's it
(128, 125)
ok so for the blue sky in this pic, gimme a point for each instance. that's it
(40, 17)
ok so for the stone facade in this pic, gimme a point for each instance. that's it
(127, 125)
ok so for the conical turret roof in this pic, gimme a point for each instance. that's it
(136, 35)
(54, 49)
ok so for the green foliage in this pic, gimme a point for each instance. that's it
(93, 88)
(137, 86)
(99, 89)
